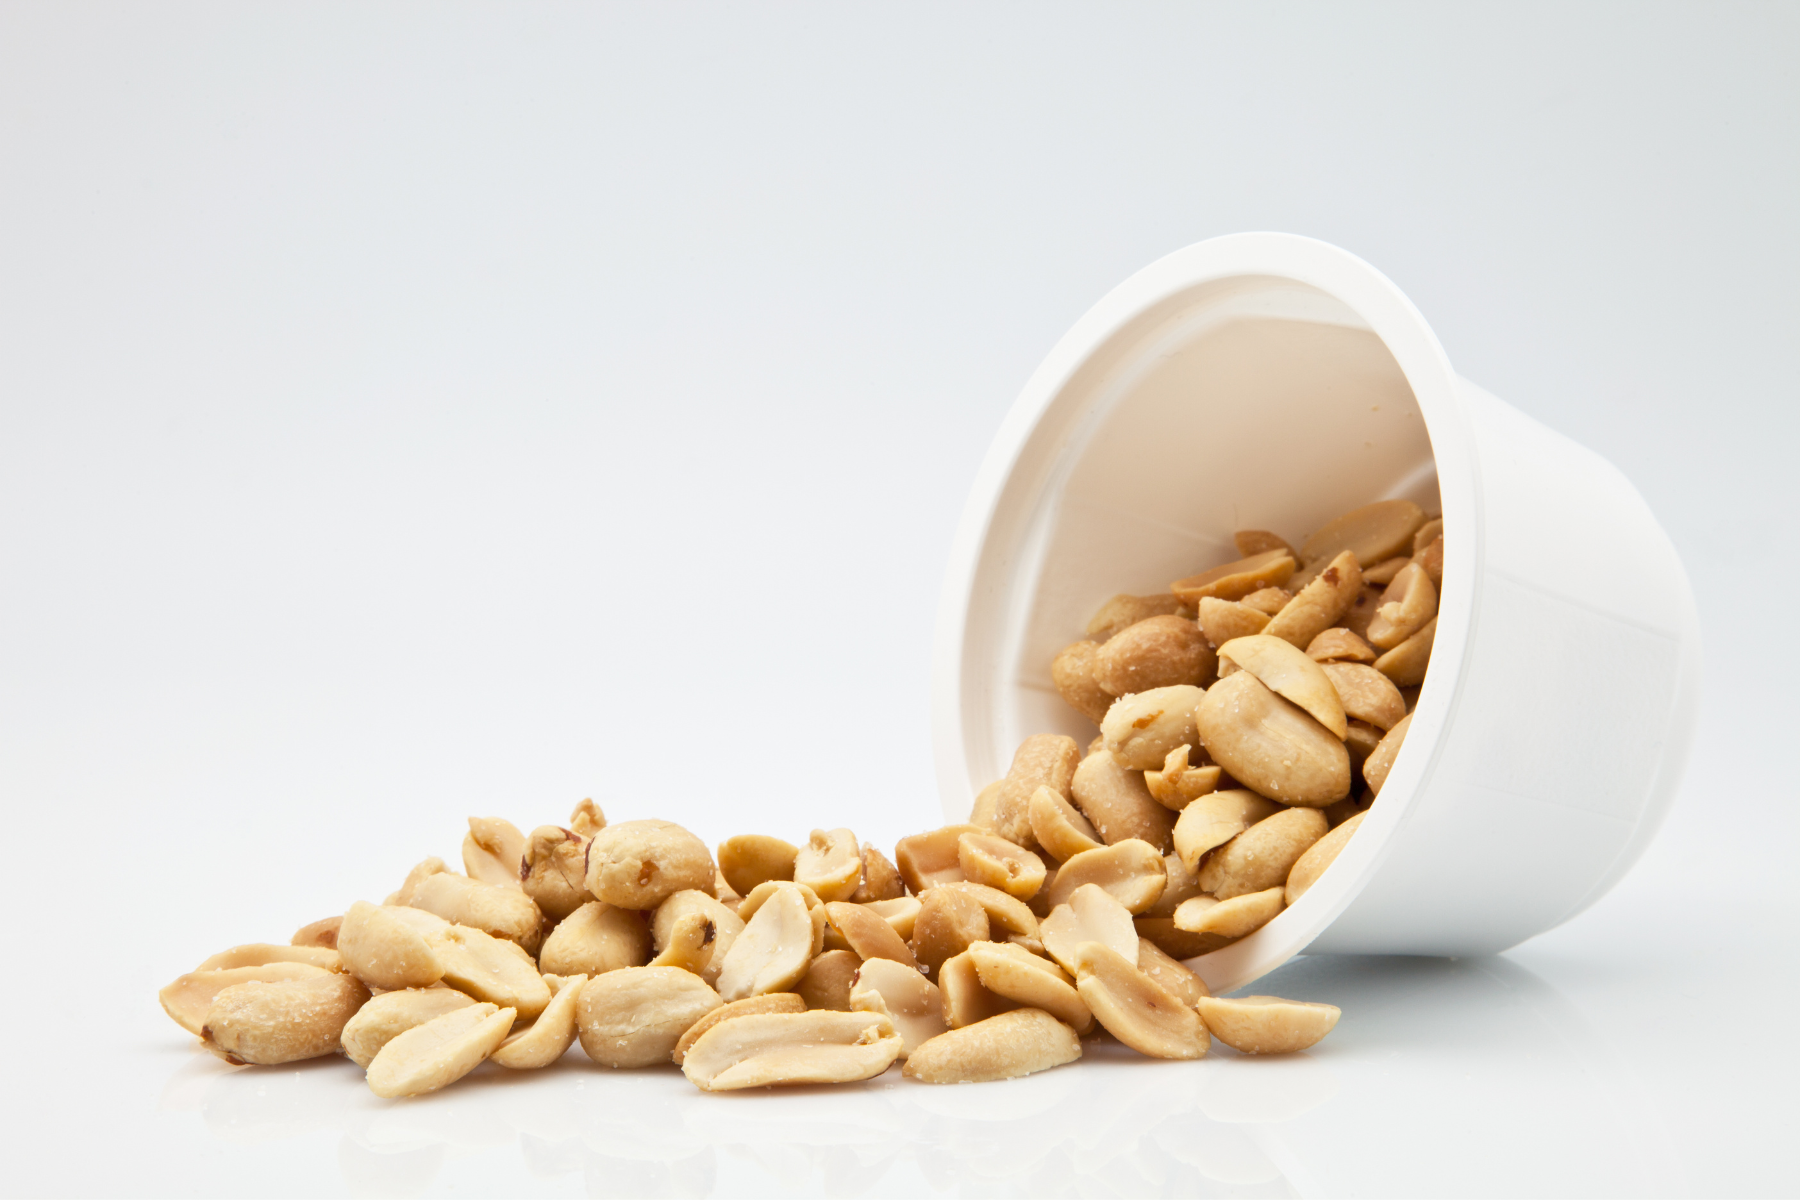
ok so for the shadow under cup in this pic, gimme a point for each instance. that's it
(1266, 381)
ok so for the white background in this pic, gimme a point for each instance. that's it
(416, 411)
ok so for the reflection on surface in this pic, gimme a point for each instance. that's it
(1435, 1064)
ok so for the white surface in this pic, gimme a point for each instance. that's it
(1268, 381)
(412, 412)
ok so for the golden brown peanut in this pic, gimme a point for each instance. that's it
(190, 997)
(1119, 803)
(1360, 740)
(1261, 857)
(1006, 914)
(1381, 761)
(1060, 829)
(789, 1048)
(1183, 884)
(750, 859)
(1356, 618)
(964, 998)
(1267, 601)
(1267, 1024)
(439, 1052)
(555, 866)
(639, 864)
(867, 934)
(904, 996)
(423, 871)
(322, 934)
(1072, 671)
(773, 952)
(1372, 532)
(828, 979)
(984, 810)
(1321, 603)
(1213, 820)
(1231, 919)
(633, 1017)
(928, 859)
(386, 947)
(504, 912)
(1170, 973)
(1141, 729)
(1383, 573)
(1043, 760)
(270, 1023)
(1405, 664)
(880, 878)
(594, 939)
(1177, 785)
(387, 1016)
(586, 819)
(261, 954)
(1431, 561)
(1158, 652)
(1161, 933)
(753, 1006)
(1320, 855)
(1130, 871)
(1251, 542)
(901, 913)
(948, 923)
(1367, 694)
(1123, 611)
(1271, 745)
(1135, 1008)
(686, 944)
(548, 1038)
(998, 863)
(1406, 605)
(491, 969)
(830, 864)
(1016, 974)
(1339, 645)
(493, 851)
(722, 919)
(1222, 620)
(1287, 672)
(1235, 580)
(1007, 1046)
(1091, 915)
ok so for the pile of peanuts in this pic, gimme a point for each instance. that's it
(1192, 820)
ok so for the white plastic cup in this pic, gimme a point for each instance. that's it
(1267, 381)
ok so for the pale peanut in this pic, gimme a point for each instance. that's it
(391, 1014)
(1339, 645)
(1267, 601)
(386, 946)
(491, 969)
(1366, 693)
(928, 859)
(868, 934)
(1405, 664)
(493, 851)
(1409, 601)
(966, 1001)
(1177, 785)
(880, 878)
(504, 912)
(1032, 982)
(548, 1038)
(1237, 917)
(586, 819)
(1060, 829)
(773, 1049)
(1170, 973)
(1135, 1008)
(555, 866)
(1222, 620)
(828, 980)
(261, 954)
(439, 1052)
(279, 1022)
(1091, 915)
(322, 933)
(947, 924)
(998, 863)
(639, 864)
(775, 948)
(901, 913)
(723, 923)
(1183, 883)
(911, 1001)
(1372, 532)
(1130, 871)
(633, 1017)
(752, 1006)
(1290, 674)
(1006, 1046)
(830, 864)
(1044, 760)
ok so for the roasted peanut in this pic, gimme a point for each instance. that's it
(504, 912)
(1177, 785)
(1381, 760)
(1237, 917)
(724, 923)
(1130, 871)
(1169, 972)
(1119, 803)
(555, 868)
(548, 1038)
(1005, 913)
(1405, 664)
(281, 1022)
(828, 980)
(948, 923)
(423, 871)
(1091, 915)
(788, 1048)
(753, 1006)
(1383, 573)
(686, 943)
(633, 1017)
(1406, 605)
(594, 939)
(586, 819)
(322, 934)
(639, 864)
(901, 913)
(1046, 760)
(880, 878)
(904, 996)
(1213, 820)
(1431, 561)
(928, 859)
(1235, 580)
(1271, 745)
(1018, 975)
(966, 1001)
(1251, 542)
(750, 859)
(439, 1052)
(775, 948)
(1287, 672)
(1176, 943)
(493, 851)
(1141, 729)
(868, 935)
(1267, 601)
(998, 863)
(1222, 620)
(1320, 855)
(1366, 693)
(387, 1016)
(1060, 829)
(261, 954)
(830, 864)
(1372, 532)
(386, 947)
(1072, 671)
(1267, 1024)
(1158, 652)
(1320, 604)
(1261, 857)
(1021, 1042)
(1182, 884)
(491, 969)
(1123, 611)
(1339, 645)
(1135, 1008)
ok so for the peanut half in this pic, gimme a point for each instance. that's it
(1320, 855)
(281, 1022)
(1006, 1046)
(1215, 819)
(904, 996)
(1061, 831)
(1030, 981)
(776, 947)
(1118, 802)
(493, 851)
(788, 1048)
(1141, 729)
(1270, 744)
(439, 1052)
(774, 1002)
(391, 1014)
(1177, 785)
(1261, 857)
(1235, 580)
(1131, 871)
(1135, 1008)
(750, 859)
(998, 863)
(1290, 674)
(830, 864)
(1267, 1024)
(633, 1017)
(1091, 915)
(548, 1038)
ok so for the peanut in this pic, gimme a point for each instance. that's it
(1045, 760)
(1261, 857)
(1267, 1024)
(948, 923)
(284, 1021)
(775, 949)
(261, 954)
(1119, 803)
(1158, 652)
(1405, 664)
(1213, 820)
(1372, 533)
(634, 1016)
(928, 859)
(1177, 785)
(774, 1002)
(491, 969)
(586, 819)
(1091, 915)
(750, 859)
(1320, 604)
(1130, 871)
(548, 1038)
(1231, 919)
(868, 935)
(1072, 671)
(787, 1048)
(1006, 1046)
(828, 980)
(639, 864)
(386, 947)
(1223, 620)
(1271, 745)
(1135, 1008)
(504, 912)
(965, 1000)
(1032, 982)
(439, 1052)
(880, 879)
(493, 851)
(998, 863)
(1061, 831)
(595, 939)
(322, 933)
(1141, 729)
(1339, 645)
(1235, 580)
(387, 1016)
(1123, 611)
(830, 864)
(1287, 672)
(1320, 855)
(1366, 694)
(1381, 760)
(555, 869)
(1406, 605)
(1169, 972)
(904, 996)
